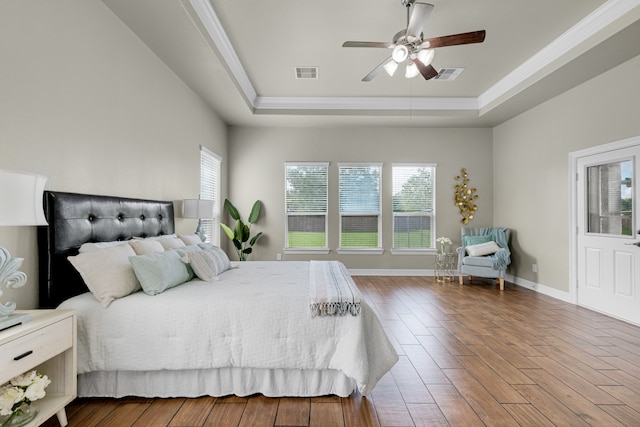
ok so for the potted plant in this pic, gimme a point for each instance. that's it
(240, 235)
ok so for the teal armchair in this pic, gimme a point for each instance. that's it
(484, 253)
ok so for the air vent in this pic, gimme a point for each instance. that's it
(448, 74)
(306, 72)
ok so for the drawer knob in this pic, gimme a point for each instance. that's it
(23, 355)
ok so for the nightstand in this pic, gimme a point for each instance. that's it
(47, 343)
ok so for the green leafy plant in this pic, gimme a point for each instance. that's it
(240, 235)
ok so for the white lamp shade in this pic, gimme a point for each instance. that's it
(390, 67)
(197, 208)
(21, 198)
(426, 56)
(400, 53)
(411, 71)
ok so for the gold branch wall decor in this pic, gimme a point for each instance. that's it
(465, 197)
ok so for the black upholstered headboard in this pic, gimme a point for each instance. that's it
(75, 219)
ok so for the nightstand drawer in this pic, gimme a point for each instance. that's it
(32, 349)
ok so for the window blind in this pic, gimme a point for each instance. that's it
(413, 206)
(360, 205)
(306, 204)
(210, 190)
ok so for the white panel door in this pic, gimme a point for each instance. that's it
(608, 257)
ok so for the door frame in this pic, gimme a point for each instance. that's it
(573, 207)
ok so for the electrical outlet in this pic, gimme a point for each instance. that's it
(278, 257)
(534, 268)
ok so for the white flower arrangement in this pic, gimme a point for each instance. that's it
(443, 240)
(20, 390)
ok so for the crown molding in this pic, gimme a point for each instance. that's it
(600, 24)
(230, 59)
(597, 26)
(364, 103)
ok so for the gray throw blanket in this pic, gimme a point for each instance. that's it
(332, 291)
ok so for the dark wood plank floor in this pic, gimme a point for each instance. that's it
(469, 356)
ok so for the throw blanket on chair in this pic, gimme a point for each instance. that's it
(332, 291)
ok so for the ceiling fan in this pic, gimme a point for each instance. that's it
(409, 44)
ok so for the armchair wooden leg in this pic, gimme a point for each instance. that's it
(460, 279)
(501, 281)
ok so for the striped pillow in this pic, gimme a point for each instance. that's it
(208, 263)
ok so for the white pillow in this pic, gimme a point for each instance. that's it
(172, 243)
(144, 247)
(107, 273)
(190, 239)
(162, 236)
(97, 246)
(483, 249)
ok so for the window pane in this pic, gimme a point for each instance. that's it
(359, 232)
(306, 231)
(411, 232)
(306, 205)
(413, 200)
(360, 205)
(610, 198)
(210, 190)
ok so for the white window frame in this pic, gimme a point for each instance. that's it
(377, 250)
(302, 251)
(416, 251)
(210, 174)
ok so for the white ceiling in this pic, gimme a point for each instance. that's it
(239, 56)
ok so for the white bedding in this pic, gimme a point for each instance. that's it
(255, 315)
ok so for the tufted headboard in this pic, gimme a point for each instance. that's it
(75, 219)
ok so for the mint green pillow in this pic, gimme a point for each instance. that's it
(476, 240)
(159, 271)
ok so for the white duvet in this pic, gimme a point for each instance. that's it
(255, 315)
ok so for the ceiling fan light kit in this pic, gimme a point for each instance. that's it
(411, 46)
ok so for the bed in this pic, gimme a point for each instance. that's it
(252, 328)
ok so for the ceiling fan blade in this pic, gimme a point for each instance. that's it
(375, 71)
(420, 13)
(427, 71)
(454, 40)
(368, 44)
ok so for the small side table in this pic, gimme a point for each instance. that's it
(443, 265)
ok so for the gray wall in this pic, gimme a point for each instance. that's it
(531, 166)
(258, 156)
(84, 102)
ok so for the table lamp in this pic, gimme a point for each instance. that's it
(200, 209)
(20, 204)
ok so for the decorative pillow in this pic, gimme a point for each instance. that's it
(107, 272)
(171, 243)
(144, 247)
(483, 249)
(92, 247)
(208, 263)
(476, 240)
(162, 236)
(190, 239)
(158, 272)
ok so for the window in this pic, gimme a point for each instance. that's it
(360, 206)
(413, 206)
(610, 199)
(210, 190)
(306, 206)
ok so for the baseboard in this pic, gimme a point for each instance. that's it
(391, 272)
(543, 289)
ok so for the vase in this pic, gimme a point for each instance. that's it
(443, 248)
(22, 416)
